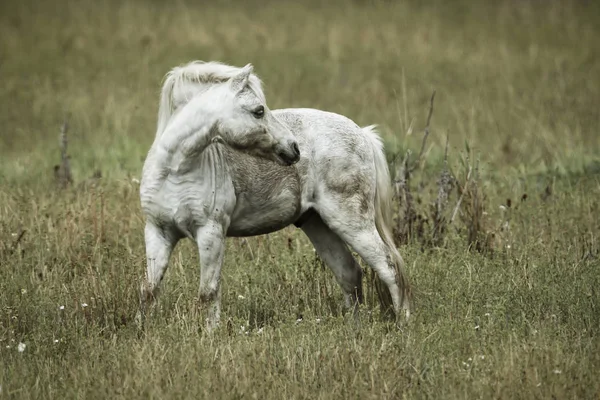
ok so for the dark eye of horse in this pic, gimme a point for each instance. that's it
(258, 112)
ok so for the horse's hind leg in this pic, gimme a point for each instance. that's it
(159, 246)
(359, 231)
(334, 252)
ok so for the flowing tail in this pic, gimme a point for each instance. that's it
(383, 215)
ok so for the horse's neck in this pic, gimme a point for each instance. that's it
(186, 136)
(212, 166)
(208, 174)
(183, 161)
(191, 128)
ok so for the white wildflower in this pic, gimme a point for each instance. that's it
(259, 331)
(23, 291)
(482, 357)
(21, 347)
(487, 314)
(241, 297)
(557, 371)
(84, 305)
(318, 320)
(476, 327)
(61, 307)
(55, 340)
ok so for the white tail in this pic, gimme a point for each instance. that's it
(383, 214)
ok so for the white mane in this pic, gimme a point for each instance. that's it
(185, 81)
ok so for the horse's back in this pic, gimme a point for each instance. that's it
(326, 133)
(340, 157)
(333, 144)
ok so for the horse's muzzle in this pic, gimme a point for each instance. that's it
(290, 155)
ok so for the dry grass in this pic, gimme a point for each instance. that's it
(515, 81)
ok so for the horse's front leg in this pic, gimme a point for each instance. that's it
(159, 246)
(211, 247)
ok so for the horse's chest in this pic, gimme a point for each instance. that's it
(185, 201)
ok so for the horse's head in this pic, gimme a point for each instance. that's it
(247, 124)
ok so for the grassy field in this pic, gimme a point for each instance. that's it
(514, 313)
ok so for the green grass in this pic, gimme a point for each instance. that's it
(517, 81)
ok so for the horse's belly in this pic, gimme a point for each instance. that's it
(254, 217)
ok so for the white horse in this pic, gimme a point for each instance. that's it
(224, 165)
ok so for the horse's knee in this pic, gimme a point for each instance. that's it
(352, 280)
(148, 292)
(208, 294)
(357, 272)
(354, 273)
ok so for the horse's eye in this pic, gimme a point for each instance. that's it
(258, 112)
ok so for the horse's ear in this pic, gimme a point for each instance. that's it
(240, 81)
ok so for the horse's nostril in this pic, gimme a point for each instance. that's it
(295, 148)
